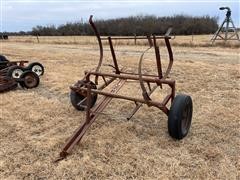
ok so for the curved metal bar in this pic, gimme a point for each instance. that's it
(100, 45)
(144, 91)
(170, 54)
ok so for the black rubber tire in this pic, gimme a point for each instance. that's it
(29, 80)
(11, 71)
(3, 59)
(3, 62)
(31, 66)
(180, 116)
(76, 98)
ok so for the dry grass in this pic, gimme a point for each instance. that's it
(186, 41)
(35, 123)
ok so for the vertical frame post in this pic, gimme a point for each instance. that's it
(113, 55)
(158, 58)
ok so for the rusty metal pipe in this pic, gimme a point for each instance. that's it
(100, 46)
(151, 103)
(113, 56)
(131, 73)
(139, 37)
(144, 91)
(89, 98)
(140, 105)
(152, 80)
(106, 83)
(158, 58)
(170, 54)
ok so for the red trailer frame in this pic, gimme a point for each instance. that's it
(84, 92)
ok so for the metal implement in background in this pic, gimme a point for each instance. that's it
(230, 31)
(13, 73)
(3, 36)
(85, 92)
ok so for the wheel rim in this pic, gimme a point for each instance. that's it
(79, 98)
(185, 124)
(83, 95)
(17, 73)
(37, 69)
(30, 80)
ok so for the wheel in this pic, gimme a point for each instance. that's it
(180, 116)
(3, 59)
(37, 68)
(15, 71)
(3, 62)
(29, 80)
(76, 98)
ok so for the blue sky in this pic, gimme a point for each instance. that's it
(22, 15)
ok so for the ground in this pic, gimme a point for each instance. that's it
(34, 124)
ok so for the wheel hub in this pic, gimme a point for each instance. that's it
(17, 73)
(30, 80)
(37, 69)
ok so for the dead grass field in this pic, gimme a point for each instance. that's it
(186, 41)
(34, 124)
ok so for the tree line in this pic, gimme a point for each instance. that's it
(134, 25)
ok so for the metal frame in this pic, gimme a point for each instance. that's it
(7, 83)
(121, 76)
(29, 78)
(228, 20)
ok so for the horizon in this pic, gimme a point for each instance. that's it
(23, 15)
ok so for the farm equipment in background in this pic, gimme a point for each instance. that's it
(3, 36)
(14, 72)
(84, 93)
(230, 32)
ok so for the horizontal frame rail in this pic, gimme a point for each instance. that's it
(132, 77)
(139, 37)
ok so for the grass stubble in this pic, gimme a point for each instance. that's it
(35, 123)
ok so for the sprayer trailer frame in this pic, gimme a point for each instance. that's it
(84, 93)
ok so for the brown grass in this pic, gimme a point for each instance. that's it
(186, 41)
(35, 123)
